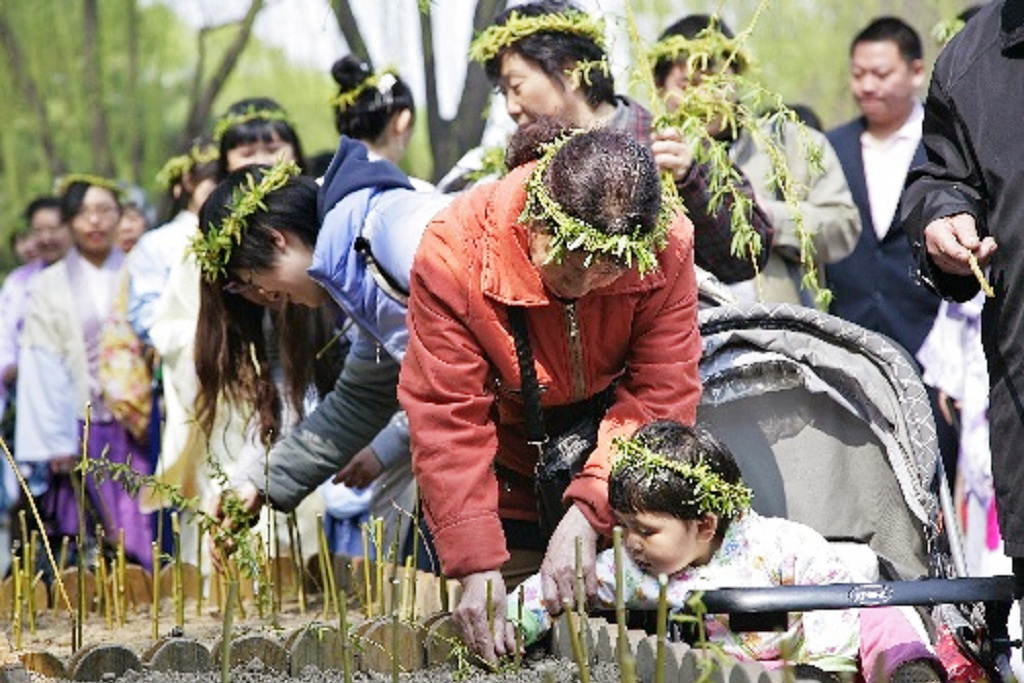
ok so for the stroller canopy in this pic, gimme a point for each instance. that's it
(831, 426)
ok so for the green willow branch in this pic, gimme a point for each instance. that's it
(234, 530)
(730, 102)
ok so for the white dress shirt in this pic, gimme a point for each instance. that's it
(886, 163)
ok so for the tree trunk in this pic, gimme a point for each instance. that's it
(27, 87)
(350, 30)
(449, 142)
(135, 120)
(195, 92)
(204, 96)
(103, 157)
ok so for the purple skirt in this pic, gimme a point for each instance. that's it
(107, 502)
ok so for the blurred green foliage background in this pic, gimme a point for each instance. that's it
(142, 66)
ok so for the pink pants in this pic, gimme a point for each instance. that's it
(888, 639)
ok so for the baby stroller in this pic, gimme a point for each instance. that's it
(831, 426)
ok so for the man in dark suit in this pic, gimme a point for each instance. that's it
(876, 285)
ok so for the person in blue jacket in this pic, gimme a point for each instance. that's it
(350, 241)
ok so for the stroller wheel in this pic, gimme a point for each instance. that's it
(916, 672)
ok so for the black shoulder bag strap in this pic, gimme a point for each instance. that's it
(532, 413)
(385, 280)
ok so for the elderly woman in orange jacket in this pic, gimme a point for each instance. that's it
(603, 268)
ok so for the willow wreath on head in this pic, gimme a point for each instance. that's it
(381, 81)
(573, 234)
(176, 167)
(580, 73)
(212, 249)
(711, 492)
(65, 182)
(709, 50)
(251, 113)
(494, 39)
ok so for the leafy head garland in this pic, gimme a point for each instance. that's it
(711, 493)
(381, 81)
(177, 167)
(65, 183)
(569, 233)
(708, 50)
(251, 113)
(212, 249)
(494, 39)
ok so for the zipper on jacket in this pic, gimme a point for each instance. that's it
(579, 384)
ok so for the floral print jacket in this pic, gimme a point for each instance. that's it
(756, 552)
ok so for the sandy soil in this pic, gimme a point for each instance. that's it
(53, 634)
(54, 630)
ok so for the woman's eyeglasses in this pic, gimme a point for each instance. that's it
(242, 286)
(105, 211)
(251, 290)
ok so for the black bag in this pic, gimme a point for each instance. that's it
(560, 456)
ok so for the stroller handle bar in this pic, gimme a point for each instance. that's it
(928, 592)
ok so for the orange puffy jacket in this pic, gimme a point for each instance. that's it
(460, 377)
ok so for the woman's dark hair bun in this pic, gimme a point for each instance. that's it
(350, 71)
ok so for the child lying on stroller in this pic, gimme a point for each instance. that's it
(685, 511)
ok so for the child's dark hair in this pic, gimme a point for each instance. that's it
(257, 129)
(660, 489)
(369, 115)
(556, 53)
